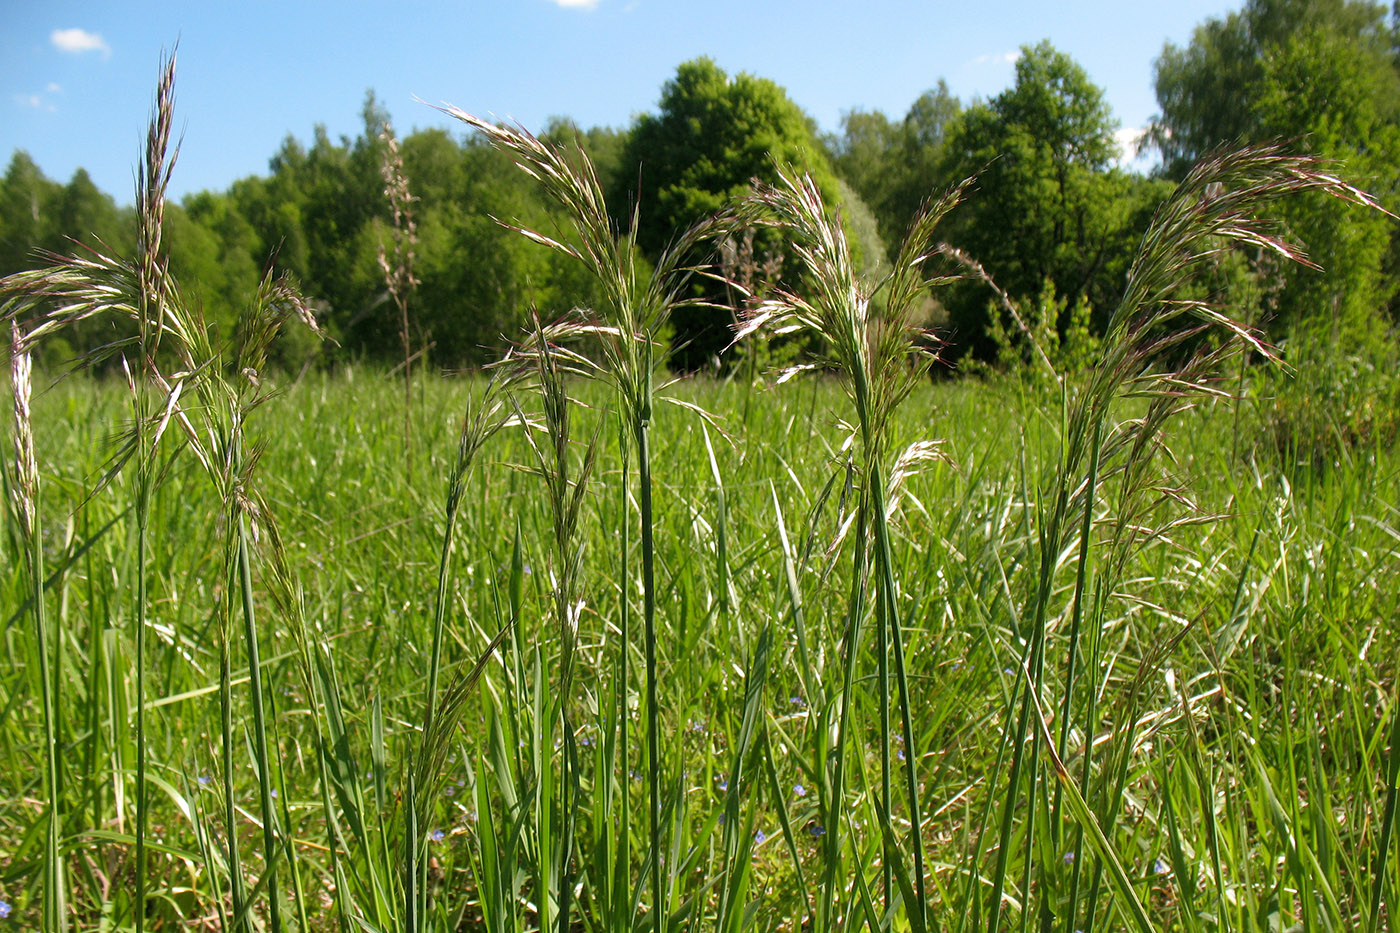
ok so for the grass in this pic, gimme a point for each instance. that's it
(1126, 671)
(1292, 654)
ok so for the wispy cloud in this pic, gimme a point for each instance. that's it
(41, 101)
(998, 58)
(34, 102)
(77, 41)
(577, 4)
(1128, 139)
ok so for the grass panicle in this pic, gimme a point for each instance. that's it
(881, 354)
(625, 331)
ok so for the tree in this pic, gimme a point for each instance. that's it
(895, 167)
(1315, 88)
(712, 135)
(1209, 90)
(26, 197)
(1049, 207)
(1323, 75)
(83, 213)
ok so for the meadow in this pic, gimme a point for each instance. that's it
(1243, 671)
(569, 647)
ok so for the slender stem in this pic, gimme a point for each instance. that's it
(142, 514)
(402, 302)
(1392, 789)
(885, 559)
(836, 802)
(883, 604)
(237, 893)
(270, 855)
(1081, 576)
(55, 908)
(624, 836)
(439, 620)
(642, 430)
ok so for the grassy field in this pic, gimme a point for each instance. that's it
(1228, 716)
(568, 649)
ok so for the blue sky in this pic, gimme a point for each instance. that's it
(77, 78)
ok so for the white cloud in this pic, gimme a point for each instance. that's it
(577, 4)
(53, 88)
(998, 58)
(1127, 140)
(78, 41)
(34, 102)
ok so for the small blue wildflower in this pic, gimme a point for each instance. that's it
(799, 790)
(528, 570)
(723, 818)
(1160, 867)
(797, 701)
(816, 829)
(449, 791)
(274, 793)
(586, 740)
(697, 726)
(436, 835)
(723, 785)
(4, 909)
(760, 837)
(205, 780)
(1069, 858)
(899, 753)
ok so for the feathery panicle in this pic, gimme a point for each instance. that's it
(567, 489)
(157, 163)
(636, 305)
(882, 354)
(877, 347)
(1219, 206)
(627, 327)
(26, 489)
(397, 268)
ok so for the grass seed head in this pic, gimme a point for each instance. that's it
(26, 489)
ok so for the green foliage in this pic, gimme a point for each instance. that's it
(1338, 402)
(896, 166)
(26, 212)
(1317, 89)
(1048, 206)
(1063, 332)
(1321, 73)
(712, 135)
(1209, 90)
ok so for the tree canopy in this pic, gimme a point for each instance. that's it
(1048, 205)
(1050, 213)
(712, 135)
(1321, 75)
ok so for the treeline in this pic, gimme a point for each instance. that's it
(1051, 218)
